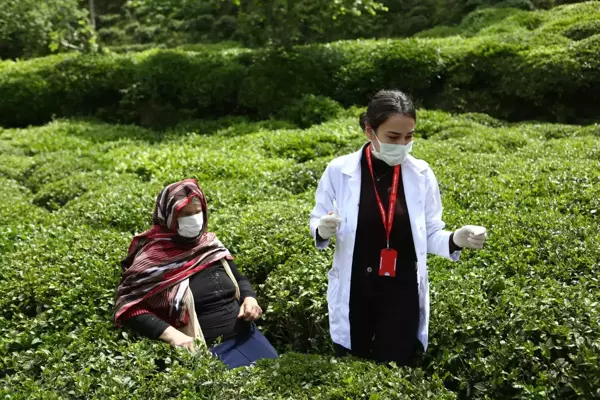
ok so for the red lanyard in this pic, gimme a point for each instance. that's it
(389, 221)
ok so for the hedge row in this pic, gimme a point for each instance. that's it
(516, 320)
(545, 69)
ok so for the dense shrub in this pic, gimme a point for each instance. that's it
(583, 30)
(551, 76)
(516, 320)
(520, 4)
(159, 95)
(295, 296)
(55, 195)
(310, 110)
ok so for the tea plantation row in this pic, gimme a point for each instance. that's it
(516, 320)
(508, 63)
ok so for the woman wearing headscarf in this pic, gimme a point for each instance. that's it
(384, 208)
(179, 284)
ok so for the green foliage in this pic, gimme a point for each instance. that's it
(489, 21)
(28, 30)
(283, 23)
(111, 35)
(554, 77)
(520, 4)
(177, 22)
(31, 28)
(515, 320)
(295, 294)
(583, 30)
(210, 89)
(310, 110)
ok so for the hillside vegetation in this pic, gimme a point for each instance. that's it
(514, 320)
(529, 65)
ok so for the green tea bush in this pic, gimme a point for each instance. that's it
(295, 295)
(310, 110)
(515, 320)
(519, 4)
(553, 77)
(321, 141)
(126, 206)
(487, 21)
(55, 195)
(52, 167)
(275, 226)
(156, 94)
(300, 178)
(583, 30)
(276, 78)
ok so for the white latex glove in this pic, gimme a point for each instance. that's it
(329, 224)
(470, 236)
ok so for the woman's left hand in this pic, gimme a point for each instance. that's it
(470, 236)
(250, 310)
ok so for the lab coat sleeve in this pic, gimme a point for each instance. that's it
(437, 238)
(323, 205)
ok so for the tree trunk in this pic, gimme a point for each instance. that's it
(92, 14)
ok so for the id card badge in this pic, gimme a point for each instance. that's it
(387, 263)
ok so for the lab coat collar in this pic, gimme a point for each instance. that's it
(352, 166)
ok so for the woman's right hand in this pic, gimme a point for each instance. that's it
(177, 339)
(328, 225)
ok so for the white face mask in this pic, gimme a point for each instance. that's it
(392, 154)
(190, 226)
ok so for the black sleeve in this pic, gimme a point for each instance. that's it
(453, 246)
(319, 238)
(148, 325)
(243, 282)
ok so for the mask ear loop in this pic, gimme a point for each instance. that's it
(368, 127)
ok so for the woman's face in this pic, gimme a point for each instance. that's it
(190, 209)
(397, 129)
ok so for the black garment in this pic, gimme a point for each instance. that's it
(415, 361)
(216, 306)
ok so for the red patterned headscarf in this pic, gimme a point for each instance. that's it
(159, 262)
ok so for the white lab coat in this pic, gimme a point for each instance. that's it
(341, 182)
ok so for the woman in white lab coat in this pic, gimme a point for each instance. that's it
(384, 208)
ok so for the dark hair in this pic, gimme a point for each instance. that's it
(383, 105)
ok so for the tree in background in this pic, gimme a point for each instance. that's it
(257, 23)
(103, 7)
(30, 28)
(170, 22)
(251, 22)
(288, 22)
